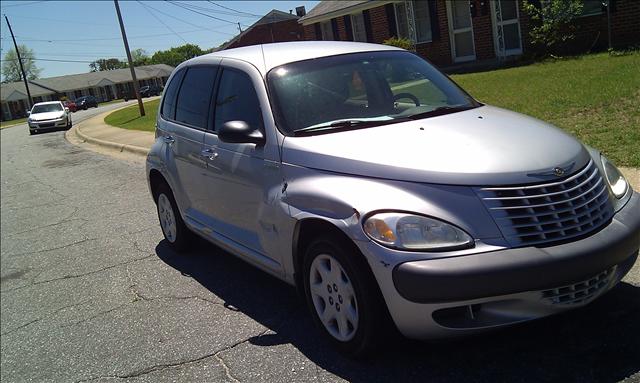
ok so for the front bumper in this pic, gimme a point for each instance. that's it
(49, 124)
(449, 296)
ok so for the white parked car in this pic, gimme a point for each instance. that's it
(48, 115)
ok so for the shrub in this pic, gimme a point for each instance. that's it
(552, 23)
(399, 42)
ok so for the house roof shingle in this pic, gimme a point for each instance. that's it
(326, 7)
(274, 16)
(51, 85)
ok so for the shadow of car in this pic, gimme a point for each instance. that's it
(596, 343)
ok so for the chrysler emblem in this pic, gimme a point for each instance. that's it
(556, 171)
(559, 172)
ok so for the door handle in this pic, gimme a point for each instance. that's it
(168, 139)
(209, 153)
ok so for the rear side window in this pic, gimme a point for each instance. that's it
(237, 100)
(192, 104)
(169, 104)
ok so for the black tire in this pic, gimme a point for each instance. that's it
(31, 132)
(183, 236)
(373, 318)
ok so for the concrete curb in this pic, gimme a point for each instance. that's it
(113, 145)
(123, 148)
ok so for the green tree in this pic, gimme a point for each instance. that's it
(107, 64)
(140, 57)
(11, 67)
(176, 55)
(552, 22)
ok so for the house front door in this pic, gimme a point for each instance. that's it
(506, 27)
(461, 30)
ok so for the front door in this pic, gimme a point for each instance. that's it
(506, 27)
(461, 31)
(237, 173)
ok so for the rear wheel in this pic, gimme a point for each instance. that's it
(173, 228)
(343, 296)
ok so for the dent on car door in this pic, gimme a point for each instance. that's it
(241, 177)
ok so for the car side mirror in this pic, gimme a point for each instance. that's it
(239, 132)
(28, 113)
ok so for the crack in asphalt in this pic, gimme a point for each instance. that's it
(52, 248)
(78, 275)
(45, 317)
(161, 367)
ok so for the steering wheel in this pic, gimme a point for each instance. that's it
(400, 96)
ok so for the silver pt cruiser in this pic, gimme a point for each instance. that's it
(368, 179)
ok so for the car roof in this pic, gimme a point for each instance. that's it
(268, 56)
(48, 102)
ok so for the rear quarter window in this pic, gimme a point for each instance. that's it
(168, 109)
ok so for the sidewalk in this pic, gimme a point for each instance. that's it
(96, 131)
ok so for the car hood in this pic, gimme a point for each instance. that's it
(46, 116)
(481, 146)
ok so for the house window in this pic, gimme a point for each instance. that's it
(591, 7)
(359, 31)
(327, 31)
(421, 18)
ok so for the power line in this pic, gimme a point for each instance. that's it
(79, 22)
(200, 13)
(25, 38)
(21, 4)
(53, 60)
(231, 9)
(189, 23)
(161, 22)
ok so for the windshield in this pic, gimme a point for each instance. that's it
(46, 108)
(361, 90)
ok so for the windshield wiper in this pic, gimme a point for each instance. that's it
(439, 111)
(342, 125)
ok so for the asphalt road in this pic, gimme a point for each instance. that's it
(90, 292)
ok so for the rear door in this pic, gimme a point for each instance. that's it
(183, 126)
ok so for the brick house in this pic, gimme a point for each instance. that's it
(275, 26)
(451, 32)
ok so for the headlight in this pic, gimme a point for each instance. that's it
(414, 232)
(616, 180)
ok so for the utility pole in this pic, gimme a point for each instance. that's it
(133, 71)
(24, 76)
(608, 5)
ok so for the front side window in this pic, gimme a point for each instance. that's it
(422, 20)
(237, 100)
(46, 108)
(192, 104)
(359, 31)
(361, 89)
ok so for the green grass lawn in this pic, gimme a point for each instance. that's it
(129, 117)
(594, 97)
(10, 123)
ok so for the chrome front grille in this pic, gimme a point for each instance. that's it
(550, 212)
(579, 292)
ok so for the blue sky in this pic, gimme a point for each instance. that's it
(87, 30)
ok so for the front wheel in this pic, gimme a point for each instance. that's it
(173, 228)
(343, 296)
